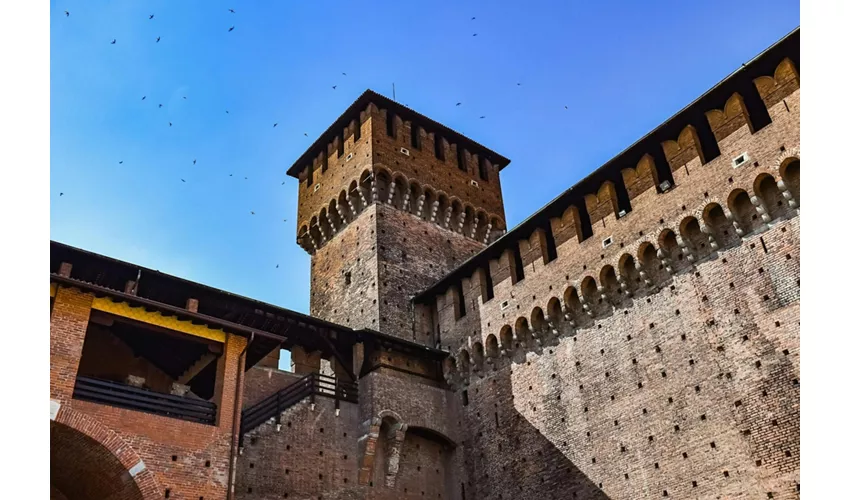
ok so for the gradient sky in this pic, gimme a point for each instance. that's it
(621, 67)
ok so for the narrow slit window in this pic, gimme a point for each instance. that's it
(461, 159)
(519, 272)
(461, 302)
(551, 249)
(414, 136)
(438, 148)
(390, 123)
(488, 284)
(482, 169)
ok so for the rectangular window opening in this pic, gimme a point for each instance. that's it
(519, 272)
(488, 284)
(390, 123)
(438, 147)
(414, 136)
(551, 249)
(482, 169)
(461, 302)
(461, 159)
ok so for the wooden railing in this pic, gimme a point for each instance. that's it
(133, 398)
(311, 385)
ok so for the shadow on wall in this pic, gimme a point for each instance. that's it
(507, 457)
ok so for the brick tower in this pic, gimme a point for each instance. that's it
(389, 201)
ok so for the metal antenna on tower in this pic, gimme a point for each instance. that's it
(393, 91)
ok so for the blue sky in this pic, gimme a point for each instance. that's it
(621, 67)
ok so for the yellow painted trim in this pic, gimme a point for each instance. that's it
(53, 289)
(124, 310)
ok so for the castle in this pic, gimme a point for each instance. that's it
(637, 337)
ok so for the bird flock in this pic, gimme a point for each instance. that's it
(232, 27)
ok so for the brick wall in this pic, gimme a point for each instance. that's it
(188, 459)
(646, 374)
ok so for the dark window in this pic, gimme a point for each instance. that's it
(465, 396)
(551, 249)
(519, 271)
(357, 129)
(461, 301)
(438, 147)
(482, 169)
(488, 284)
(414, 136)
(461, 159)
(310, 174)
(390, 123)
(341, 149)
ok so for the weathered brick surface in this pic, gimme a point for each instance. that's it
(261, 382)
(697, 372)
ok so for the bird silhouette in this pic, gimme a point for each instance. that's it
(184, 97)
(275, 125)
(344, 74)
(160, 105)
(246, 178)
(305, 134)
(60, 194)
(169, 124)
(120, 162)
(232, 11)
(518, 84)
(143, 97)
(566, 107)
(150, 17)
(252, 212)
(184, 180)
(282, 183)
(231, 175)
(473, 19)
(475, 34)
(334, 87)
(226, 111)
(194, 162)
(458, 104)
(112, 42)
(480, 117)
(277, 266)
(157, 39)
(66, 15)
(231, 29)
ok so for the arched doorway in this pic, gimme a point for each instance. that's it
(90, 462)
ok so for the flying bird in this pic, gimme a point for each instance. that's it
(184, 97)
(169, 124)
(60, 194)
(150, 17)
(143, 97)
(231, 175)
(184, 180)
(112, 42)
(231, 29)
(194, 162)
(475, 34)
(277, 266)
(157, 39)
(66, 15)
(120, 162)
(232, 11)
(344, 74)
(458, 104)
(518, 84)
(566, 107)
(305, 134)
(252, 212)
(160, 105)
(473, 19)
(480, 117)
(334, 87)
(246, 178)
(226, 111)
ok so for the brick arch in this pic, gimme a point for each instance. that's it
(109, 451)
